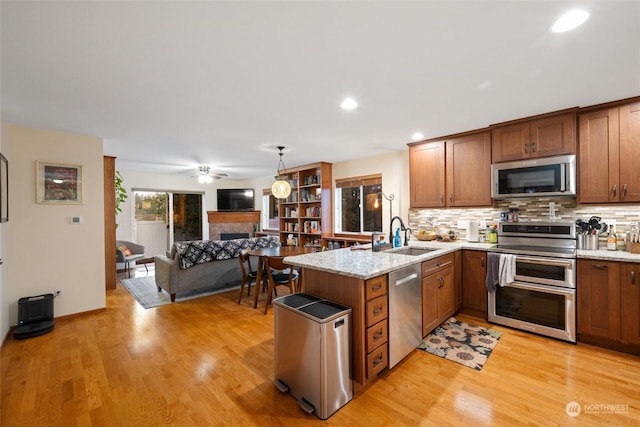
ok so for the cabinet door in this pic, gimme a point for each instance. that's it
(599, 299)
(426, 175)
(553, 135)
(474, 291)
(630, 153)
(510, 142)
(546, 136)
(468, 168)
(430, 285)
(446, 295)
(630, 300)
(598, 156)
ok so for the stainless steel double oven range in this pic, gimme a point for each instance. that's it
(543, 297)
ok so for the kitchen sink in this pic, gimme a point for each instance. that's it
(412, 251)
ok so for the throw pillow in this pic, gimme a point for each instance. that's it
(125, 250)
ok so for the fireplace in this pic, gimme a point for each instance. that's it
(231, 236)
(227, 225)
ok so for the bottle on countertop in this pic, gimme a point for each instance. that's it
(611, 240)
(396, 240)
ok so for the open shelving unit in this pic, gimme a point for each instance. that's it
(306, 215)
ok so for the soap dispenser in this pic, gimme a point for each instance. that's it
(397, 242)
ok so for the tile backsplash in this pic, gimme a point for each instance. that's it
(529, 210)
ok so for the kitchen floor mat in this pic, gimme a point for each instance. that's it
(464, 343)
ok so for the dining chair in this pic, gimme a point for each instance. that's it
(278, 275)
(248, 274)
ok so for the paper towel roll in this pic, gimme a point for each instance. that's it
(472, 231)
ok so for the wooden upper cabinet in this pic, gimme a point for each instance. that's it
(455, 171)
(608, 155)
(547, 135)
(630, 153)
(468, 169)
(426, 175)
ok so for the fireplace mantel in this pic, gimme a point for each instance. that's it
(226, 217)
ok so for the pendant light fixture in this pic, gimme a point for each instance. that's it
(281, 188)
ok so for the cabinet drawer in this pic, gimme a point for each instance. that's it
(377, 335)
(376, 287)
(377, 360)
(433, 265)
(376, 310)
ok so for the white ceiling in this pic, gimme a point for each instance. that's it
(173, 85)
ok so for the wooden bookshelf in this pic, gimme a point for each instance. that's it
(306, 215)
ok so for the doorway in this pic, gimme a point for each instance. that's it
(162, 217)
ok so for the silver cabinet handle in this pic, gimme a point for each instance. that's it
(624, 190)
(633, 277)
(526, 148)
(533, 147)
(615, 188)
(599, 266)
(451, 197)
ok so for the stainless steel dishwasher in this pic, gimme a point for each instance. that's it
(405, 312)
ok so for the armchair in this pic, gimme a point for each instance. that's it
(128, 252)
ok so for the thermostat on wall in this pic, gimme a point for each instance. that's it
(76, 220)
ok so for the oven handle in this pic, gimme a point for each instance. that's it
(541, 261)
(540, 288)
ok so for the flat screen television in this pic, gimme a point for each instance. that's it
(235, 199)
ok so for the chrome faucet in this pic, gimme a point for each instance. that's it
(402, 228)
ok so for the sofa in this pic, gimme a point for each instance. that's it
(205, 264)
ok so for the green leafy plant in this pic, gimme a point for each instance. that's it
(121, 192)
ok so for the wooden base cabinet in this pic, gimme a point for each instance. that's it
(368, 300)
(474, 290)
(609, 304)
(438, 292)
(630, 300)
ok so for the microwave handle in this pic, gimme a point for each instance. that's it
(563, 173)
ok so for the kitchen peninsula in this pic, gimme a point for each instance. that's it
(360, 279)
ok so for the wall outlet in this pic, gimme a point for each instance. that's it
(57, 294)
(462, 224)
(483, 224)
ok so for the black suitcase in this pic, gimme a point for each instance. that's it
(35, 316)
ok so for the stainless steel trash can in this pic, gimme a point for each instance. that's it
(312, 360)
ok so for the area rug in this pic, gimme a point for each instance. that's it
(464, 343)
(145, 291)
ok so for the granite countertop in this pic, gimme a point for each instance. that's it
(365, 264)
(605, 255)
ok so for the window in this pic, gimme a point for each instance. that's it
(358, 207)
(270, 216)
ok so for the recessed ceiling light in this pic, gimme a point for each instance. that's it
(570, 20)
(417, 136)
(349, 104)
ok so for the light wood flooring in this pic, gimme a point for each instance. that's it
(209, 362)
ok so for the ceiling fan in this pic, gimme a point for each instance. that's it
(205, 176)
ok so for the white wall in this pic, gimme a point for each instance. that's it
(46, 252)
(394, 168)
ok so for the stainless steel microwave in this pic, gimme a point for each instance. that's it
(550, 176)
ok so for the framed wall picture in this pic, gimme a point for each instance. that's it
(4, 189)
(59, 183)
